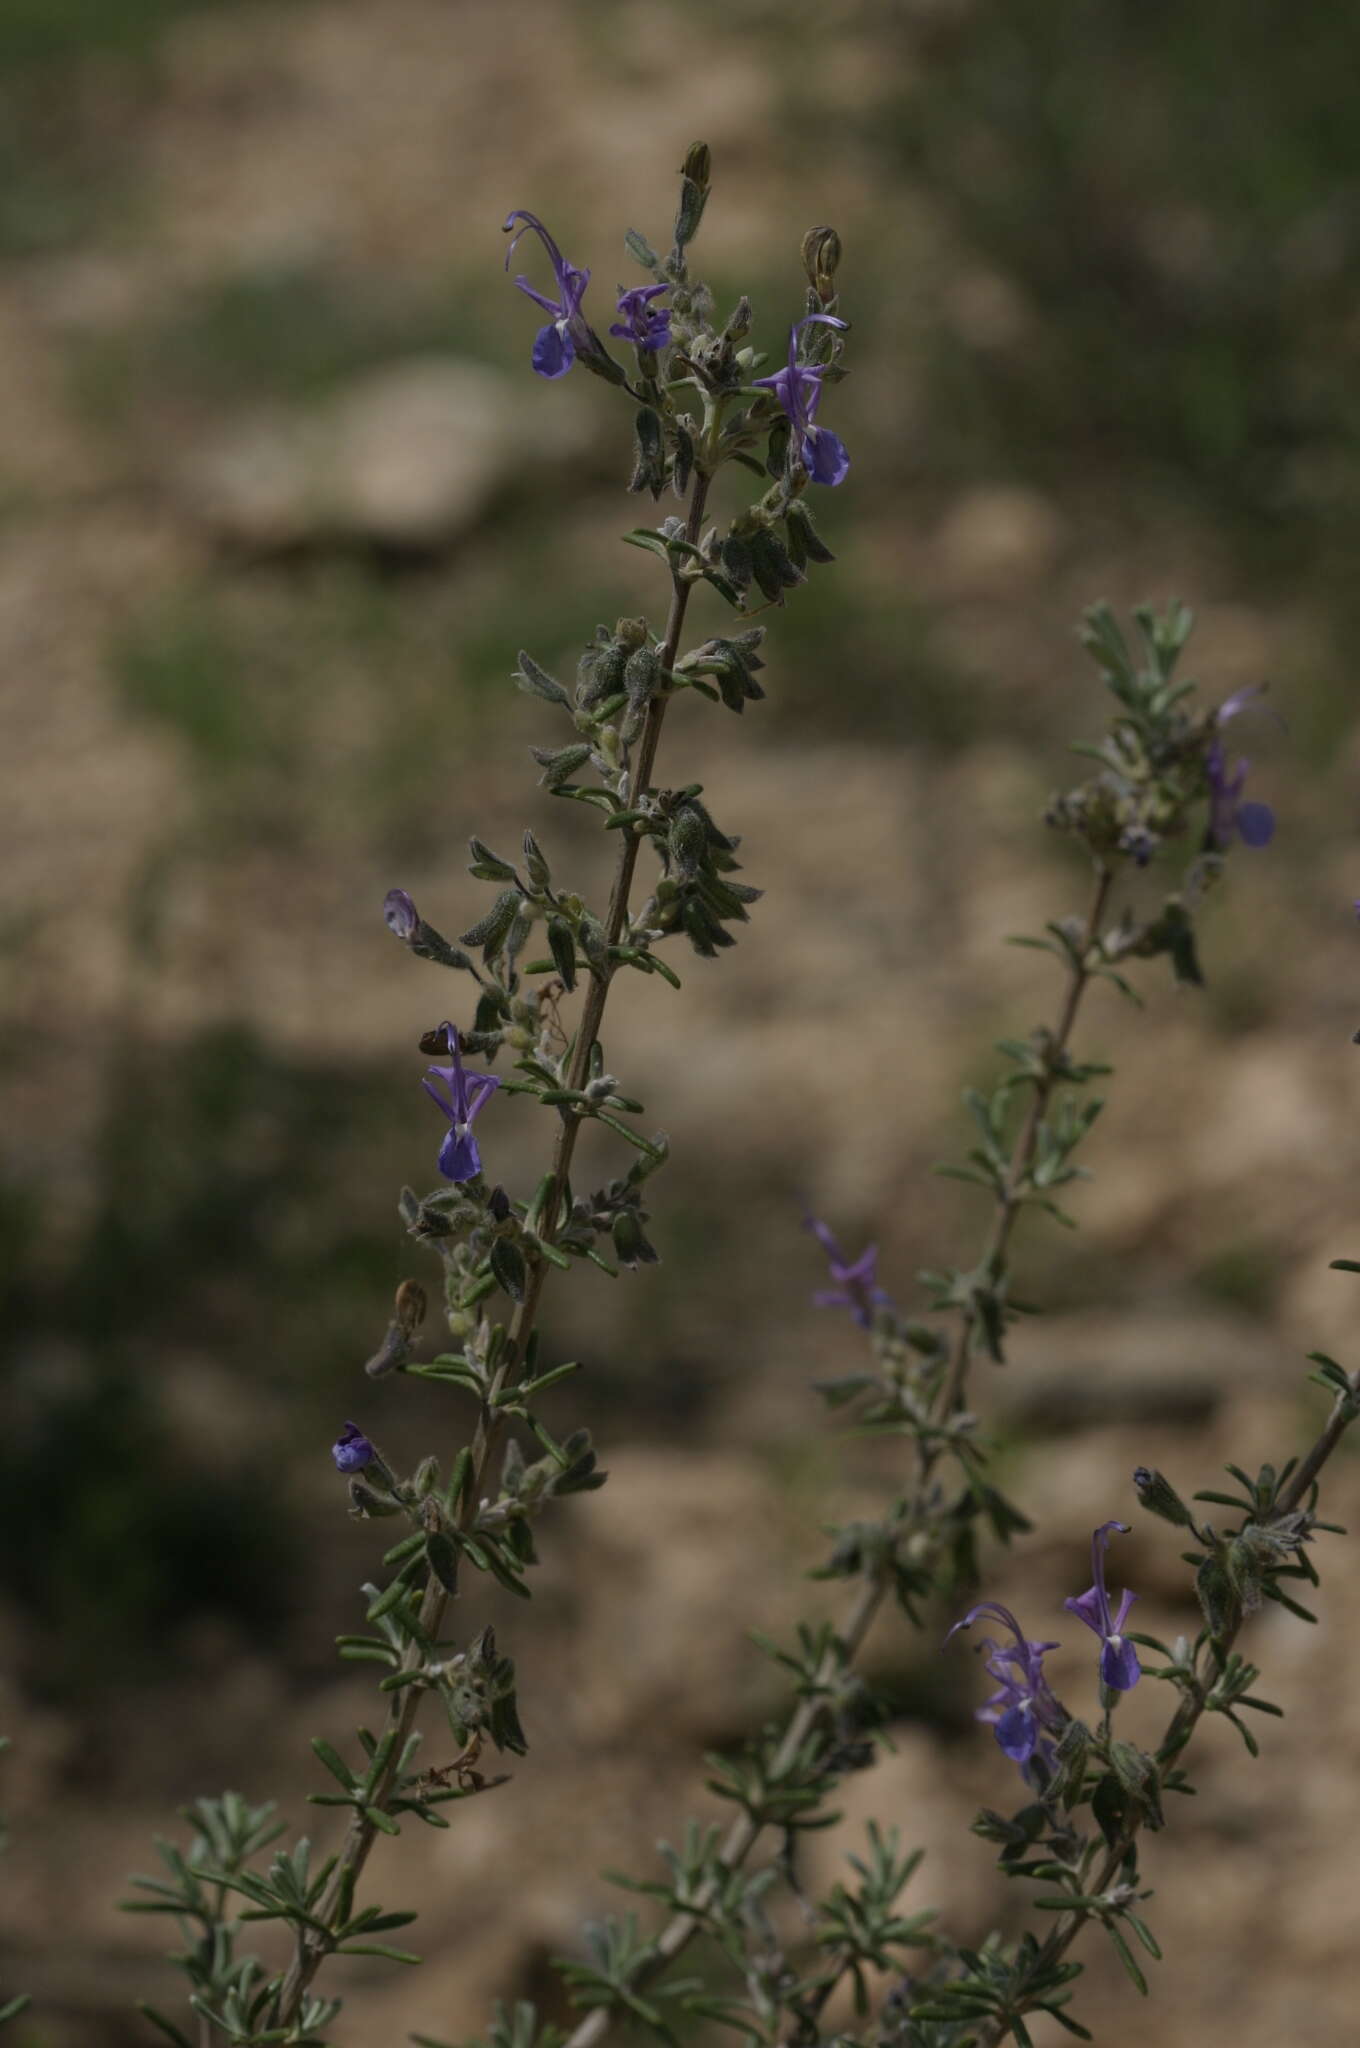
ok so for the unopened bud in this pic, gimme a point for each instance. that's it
(821, 256)
(694, 177)
(392, 1354)
(630, 1244)
(401, 915)
(687, 841)
(698, 163)
(739, 321)
(1160, 1497)
(410, 1306)
(364, 1503)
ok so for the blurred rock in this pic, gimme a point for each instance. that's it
(1075, 1371)
(996, 539)
(406, 457)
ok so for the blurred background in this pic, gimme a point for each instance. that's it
(279, 499)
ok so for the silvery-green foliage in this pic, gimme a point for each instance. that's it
(1156, 818)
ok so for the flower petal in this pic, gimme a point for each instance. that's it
(823, 1235)
(1016, 1734)
(480, 1089)
(1090, 1608)
(459, 1159)
(1256, 823)
(1119, 1667)
(552, 306)
(554, 351)
(826, 456)
(444, 1102)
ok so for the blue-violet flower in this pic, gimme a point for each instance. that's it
(403, 919)
(555, 345)
(799, 390)
(856, 1285)
(1254, 823)
(461, 1098)
(1119, 1668)
(352, 1449)
(1023, 1707)
(645, 325)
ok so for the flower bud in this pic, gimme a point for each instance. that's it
(352, 1450)
(698, 163)
(630, 1244)
(738, 324)
(821, 256)
(405, 922)
(687, 841)
(403, 919)
(693, 193)
(410, 1306)
(365, 1504)
(391, 1355)
(1160, 1497)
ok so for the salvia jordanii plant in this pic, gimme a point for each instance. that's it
(732, 442)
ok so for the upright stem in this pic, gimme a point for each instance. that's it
(405, 1701)
(745, 1831)
(1022, 1156)
(1180, 1728)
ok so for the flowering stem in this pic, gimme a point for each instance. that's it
(849, 1640)
(1009, 1204)
(337, 1900)
(1179, 1730)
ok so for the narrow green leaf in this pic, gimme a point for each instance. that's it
(378, 1948)
(334, 1762)
(148, 2012)
(1126, 1957)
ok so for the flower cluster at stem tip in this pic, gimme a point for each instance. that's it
(639, 320)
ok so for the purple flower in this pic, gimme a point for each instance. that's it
(352, 1449)
(856, 1285)
(403, 919)
(1254, 823)
(1119, 1667)
(555, 345)
(1238, 702)
(1139, 842)
(799, 389)
(1022, 1708)
(462, 1096)
(645, 325)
